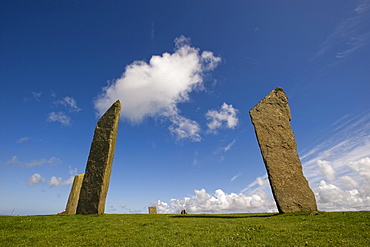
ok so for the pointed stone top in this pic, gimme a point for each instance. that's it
(276, 97)
(118, 103)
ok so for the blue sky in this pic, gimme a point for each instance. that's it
(187, 73)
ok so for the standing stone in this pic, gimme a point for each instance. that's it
(184, 211)
(99, 165)
(271, 120)
(152, 210)
(74, 195)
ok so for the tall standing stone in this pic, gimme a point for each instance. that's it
(74, 195)
(271, 119)
(99, 165)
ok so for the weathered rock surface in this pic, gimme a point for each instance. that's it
(74, 195)
(152, 210)
(271, 119)
(99, 165)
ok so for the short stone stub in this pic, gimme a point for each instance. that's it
(74, 195)
(152, 210)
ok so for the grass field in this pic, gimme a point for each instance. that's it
(299, 229)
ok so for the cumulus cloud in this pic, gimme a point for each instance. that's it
(58, 181)
(362, 166)
(53, 161)
(35, 179)
(60, 117)
(53, 181)
(326, 169)
(70, 103)
(184, 128)
(346, 152)
(333, 198)
(218, 202)
(348, 182)
(224, 118)
(156, 88)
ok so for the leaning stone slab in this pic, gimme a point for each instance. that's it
(74, 195)
(152, 210)
(271, 119)
(99, 165)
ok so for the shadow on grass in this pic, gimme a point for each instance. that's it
(223, 216)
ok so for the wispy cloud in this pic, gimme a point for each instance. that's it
(223, 149)
(235, 177)
(53, 161)
(224, 118)
(36, 95)
(60, 117)
(184, 128)
(338, 168)
(154, 89)
(228, 147)
(70, 103)
(23, 139)
(152, 31)
(350, 35)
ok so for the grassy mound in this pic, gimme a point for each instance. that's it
(299, 229)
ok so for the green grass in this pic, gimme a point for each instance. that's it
(299, 229)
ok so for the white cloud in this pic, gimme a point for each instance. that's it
(332, 198)
(23, 139)
(53, 161)
(59, 117)
(58, 181)
(344, 152)
(218, 202)
(228, 147)
(70, 103)
(53, 181)
(348, 182)
(235, 177)
(35, 179)
(225, 118)
(222, 150)
(326, 169)
(362, 166)
(184, 128)
(154, 89)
